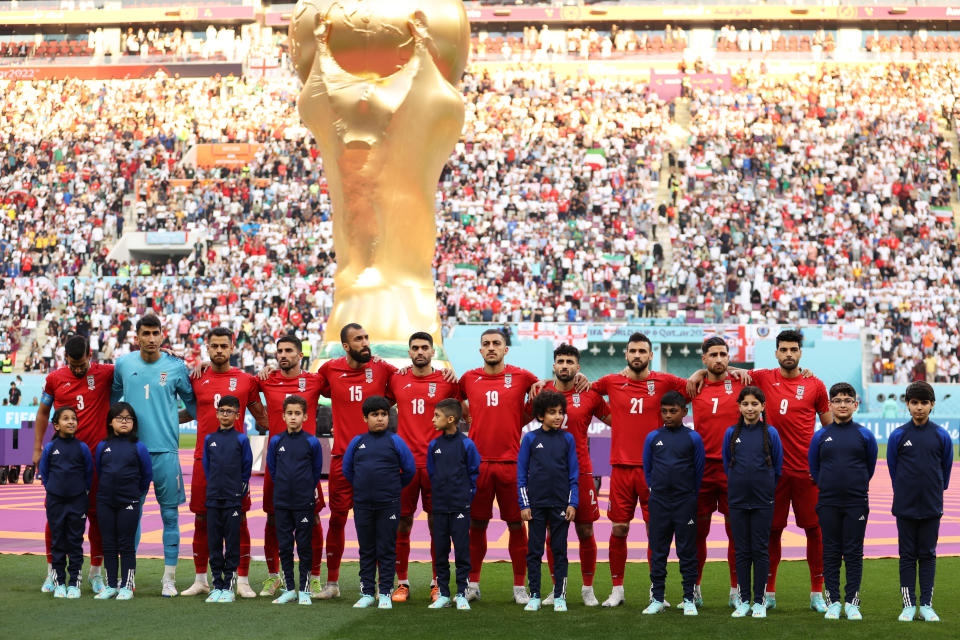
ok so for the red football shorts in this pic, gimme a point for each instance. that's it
(800, 489)
(713, 490)
(320, 503)
(627, 487)
(419, 488)
(340, 490)
(588, 509)
(496, 479)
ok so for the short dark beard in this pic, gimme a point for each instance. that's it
(791, 367)
(563, 379)
(638, 370)
(362, 357)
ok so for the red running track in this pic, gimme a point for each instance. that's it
(22, 523)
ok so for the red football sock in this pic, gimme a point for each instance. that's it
(201, 548)
(815, 558)
(588, 560)
(618, 559)
(48, 542)
(316, 545)
(775, 535)
(96, 544)
(243, 568)
(478, 549)
(336, 540)
(271, 548)
(731, 553)
(403, 554)
(549, 555)
(703, 530)
(517, 544)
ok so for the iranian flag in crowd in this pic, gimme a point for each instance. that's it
(702, 171)
(595, 159)
(943, 214)
(465, 269)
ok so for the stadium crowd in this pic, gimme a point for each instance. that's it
(548, 208)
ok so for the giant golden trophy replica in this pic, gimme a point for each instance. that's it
(379, 96)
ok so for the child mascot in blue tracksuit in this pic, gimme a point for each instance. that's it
(227, 462)
(295, 462)
(753, 462)
(673, 459)
(842, 458)
(125, 470)
(66, 469)
(453, 464)
(919, 457)
(547, 474)
(379, 465)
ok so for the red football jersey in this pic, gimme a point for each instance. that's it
(497, 410)
(416, 397)
(715, 409)
(635, 408)
(793, 405)
(582, 408)
(277, 387)
(212, 386)
(347, 389)
(88, 394)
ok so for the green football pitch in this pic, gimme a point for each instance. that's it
(27, 613)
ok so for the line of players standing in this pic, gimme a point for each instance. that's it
(496, 404)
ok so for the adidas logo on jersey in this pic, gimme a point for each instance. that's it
(213, 444)
(738, 441)
(539, 445)
(691, 521)
(235, 514)
(438, 451)
(659, 443)
(362, 446)
(408, 385)
(129, 507)
(56, 452)
(304, 520)
(863, 517)
(460, 516)
(107, 450)
(906, 444)
(281, 448)
(829, 439)
(393, 517)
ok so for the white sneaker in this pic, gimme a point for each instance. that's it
(168, 588)
(196, 589)
(589, 597)
(330, 590)
(472, 592)
(548, 601)
(520, 595)
(244, 590)
(616, 597)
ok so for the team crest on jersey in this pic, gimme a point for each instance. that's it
(728, 386)
(576, 399)
(90, 382)
(302, 384)
(650, 387)
(369, 375)
(233, 384)
(163, 379)
(800, 392)
(432, 389)
(507, 380)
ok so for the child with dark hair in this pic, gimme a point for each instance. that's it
(66, 470)
(124, 473)
(919, 457)
(673, 461)
(547, 484)
(379, 465)
(842, 458)
(753, 462)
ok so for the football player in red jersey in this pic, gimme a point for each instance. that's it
(496, 395)
(634, 396)
(85, 386)
(582, 408)
(714, 410)
(417, 390)
(347, 380)
(794, 401)
(219, 380)
(276, 386)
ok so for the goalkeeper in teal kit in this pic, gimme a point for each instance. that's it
(152, 381)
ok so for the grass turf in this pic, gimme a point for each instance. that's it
(26, 612)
